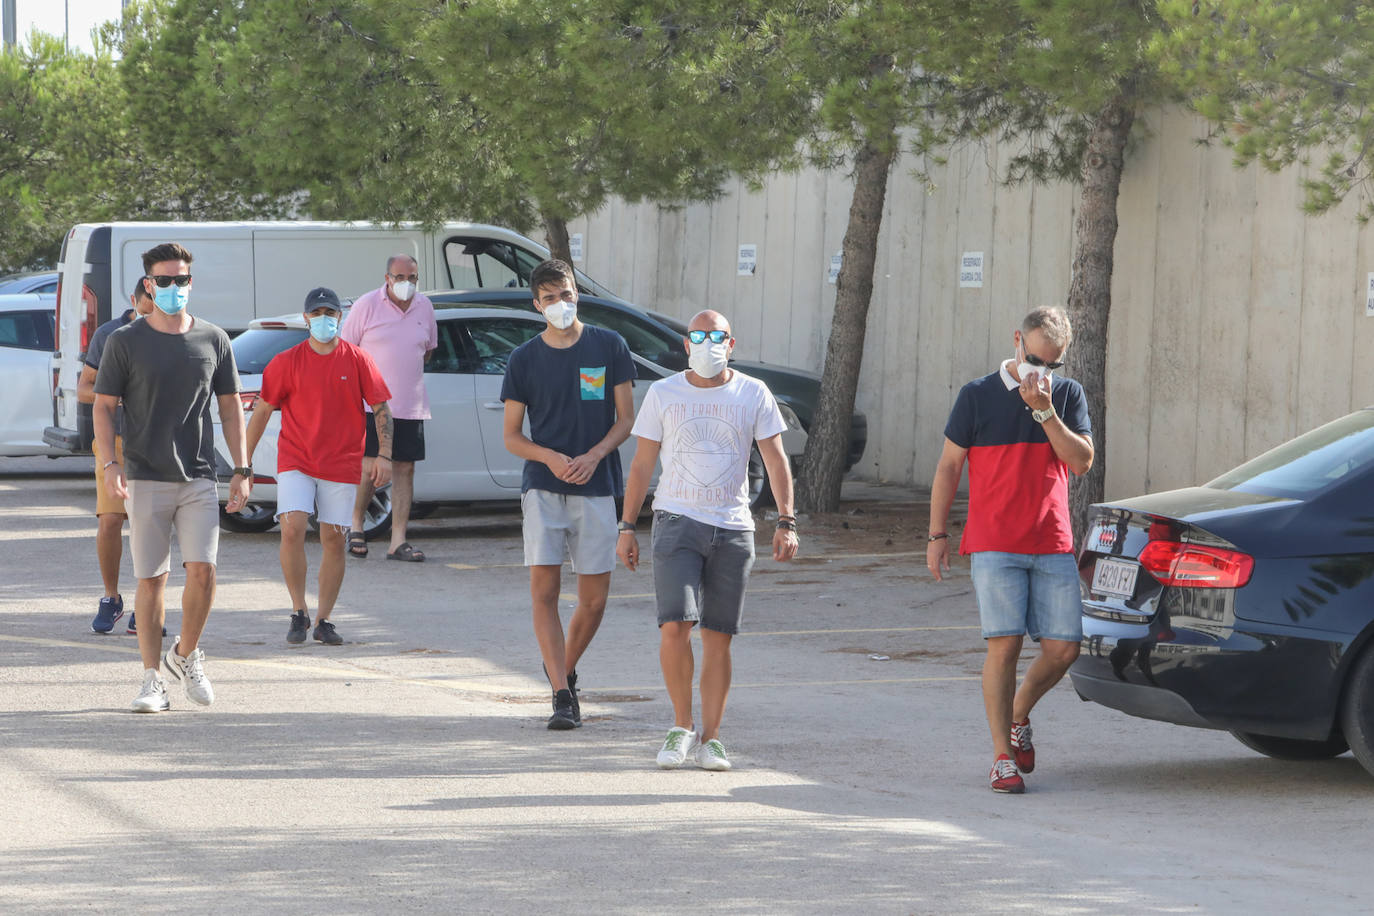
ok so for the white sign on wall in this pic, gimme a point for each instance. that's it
(971, 270)
(835, 261)
(748, 260)
(575, 246)
(1369, 296)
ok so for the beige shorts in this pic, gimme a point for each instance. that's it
(155, 507)
(105, 504)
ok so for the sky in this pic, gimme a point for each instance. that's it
(78, 16)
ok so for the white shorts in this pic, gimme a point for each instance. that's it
(331, 502)
(557, 525)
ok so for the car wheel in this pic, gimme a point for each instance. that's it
(255, 518)
(1293, 748)
(1357, 710)
(760, 493)
(377, 515)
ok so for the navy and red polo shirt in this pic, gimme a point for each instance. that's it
(1018, 488)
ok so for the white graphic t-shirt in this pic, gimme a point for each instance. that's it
(705, 435)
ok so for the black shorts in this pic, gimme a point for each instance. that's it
(407, 439)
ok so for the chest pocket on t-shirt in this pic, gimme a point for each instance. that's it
(593, 383)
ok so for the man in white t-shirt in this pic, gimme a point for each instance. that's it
(702, 423)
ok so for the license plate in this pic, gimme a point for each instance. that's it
(1115, 577)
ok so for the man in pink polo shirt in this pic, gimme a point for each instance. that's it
(396, 326)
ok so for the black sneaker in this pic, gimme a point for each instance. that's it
(576, 703)
(562, 718)
(300, 625)
(325, 633)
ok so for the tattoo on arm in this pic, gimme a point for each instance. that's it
(382, 414)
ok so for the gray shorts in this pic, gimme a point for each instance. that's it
(700, 572)
(557, 525)
(155, 507)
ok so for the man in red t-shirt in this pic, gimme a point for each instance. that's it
(1022, 429)
(320, 385)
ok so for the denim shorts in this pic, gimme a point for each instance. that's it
(700, 572)
(1028, 594)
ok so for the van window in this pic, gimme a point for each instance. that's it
(475, 263)
(27, 330)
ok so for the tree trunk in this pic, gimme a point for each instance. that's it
(1090, 293)
(556, 237)
(827, 444)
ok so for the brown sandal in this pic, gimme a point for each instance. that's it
(357, 543)
(406, 554)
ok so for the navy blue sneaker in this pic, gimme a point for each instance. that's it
(111, 609)
(133, 625)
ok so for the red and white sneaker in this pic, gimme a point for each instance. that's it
(1004, 777)
(1021, 746)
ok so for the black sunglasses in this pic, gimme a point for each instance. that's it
(164, 282)
(1036, 361)
(697, 337)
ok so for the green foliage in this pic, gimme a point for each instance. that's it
(47, 96)
(1278, 80)
(582, 99)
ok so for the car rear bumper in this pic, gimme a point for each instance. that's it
(67, 440)
(1227, 674)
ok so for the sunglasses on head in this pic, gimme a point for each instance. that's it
(697, 337)
(164, 282)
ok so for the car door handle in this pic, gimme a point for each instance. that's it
(494, 405)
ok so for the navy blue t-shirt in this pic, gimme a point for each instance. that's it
(569, 397)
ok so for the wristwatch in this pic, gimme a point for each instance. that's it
(626, 526)
(1040, 416)
(244, 472)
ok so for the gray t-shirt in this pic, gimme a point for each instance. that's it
(97, 347)
(167, 382)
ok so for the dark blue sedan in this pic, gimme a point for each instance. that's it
(1245, 604)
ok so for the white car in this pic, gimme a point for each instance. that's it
(466, 458)
(26, 342)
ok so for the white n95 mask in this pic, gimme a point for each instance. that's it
(708, 359)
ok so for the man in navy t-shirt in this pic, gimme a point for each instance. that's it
(1021, 429)
(574, 382)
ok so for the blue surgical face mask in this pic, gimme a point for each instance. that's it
(171, 299)
(324, 328)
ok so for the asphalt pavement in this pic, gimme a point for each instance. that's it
(410, 769)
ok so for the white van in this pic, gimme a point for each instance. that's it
(247, 270)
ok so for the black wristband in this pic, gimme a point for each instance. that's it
(937, 537)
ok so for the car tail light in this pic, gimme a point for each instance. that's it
(248, 399)
(57, 319)
(1194, 566)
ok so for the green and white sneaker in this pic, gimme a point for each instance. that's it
(676, 747)
(711, 755)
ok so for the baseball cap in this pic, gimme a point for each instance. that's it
(321, 295)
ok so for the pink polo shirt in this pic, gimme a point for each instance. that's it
(397, 342)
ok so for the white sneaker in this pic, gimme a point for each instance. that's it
(153, 696)
(676, 747)
(191, 672)
(711, 755)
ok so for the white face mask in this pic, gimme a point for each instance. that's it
(561, 314)
(403, 290)
(708, 359)
(1025, 370)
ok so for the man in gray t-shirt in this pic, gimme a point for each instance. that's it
(167, 368)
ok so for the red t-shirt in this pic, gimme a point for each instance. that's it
(321, 399)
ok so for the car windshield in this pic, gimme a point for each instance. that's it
(1310, 463)
(255, 347)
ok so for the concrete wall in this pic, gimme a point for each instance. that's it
(1237, 321)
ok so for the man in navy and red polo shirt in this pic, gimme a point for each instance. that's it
(1022, 429)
